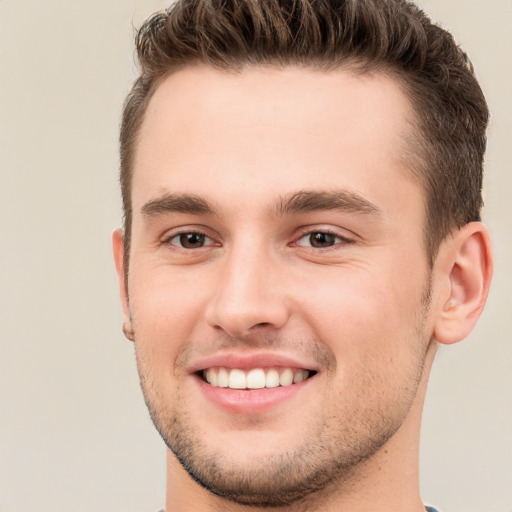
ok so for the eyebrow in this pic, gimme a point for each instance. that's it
(304, 201)
(312, 201)
(177, 203)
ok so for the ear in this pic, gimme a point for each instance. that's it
(118, 248)
(465, 264)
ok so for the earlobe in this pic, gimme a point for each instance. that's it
(468, 268)
(118, 249)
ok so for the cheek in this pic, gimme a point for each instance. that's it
(365, 314)
(166, 310)
(371, 327)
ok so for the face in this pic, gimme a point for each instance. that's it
(278, 277)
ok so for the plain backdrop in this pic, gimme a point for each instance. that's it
(75, 435)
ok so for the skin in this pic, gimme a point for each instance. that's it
(230, 157)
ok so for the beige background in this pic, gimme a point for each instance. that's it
(74, 432)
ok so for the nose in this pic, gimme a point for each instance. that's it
(250, 295)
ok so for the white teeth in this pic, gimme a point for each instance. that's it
(211, 377)
(237, 379)
(272, 379)
(300, 376)
(223, 378)
(256, 378)
(286, 377)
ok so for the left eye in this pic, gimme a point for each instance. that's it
(190, 240)
(319, 240)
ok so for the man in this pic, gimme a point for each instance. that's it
(302, 190)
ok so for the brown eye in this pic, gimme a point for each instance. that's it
(321, 240)
(191, 240)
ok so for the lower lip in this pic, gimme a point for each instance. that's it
(255, 401)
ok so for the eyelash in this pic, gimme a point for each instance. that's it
(168, 239)
(342, 240)
(339, 239)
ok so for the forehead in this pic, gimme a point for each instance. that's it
(294, 128)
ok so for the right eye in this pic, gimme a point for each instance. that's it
(190, 240)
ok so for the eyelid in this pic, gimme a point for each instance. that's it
(183, 230)
(309, 230)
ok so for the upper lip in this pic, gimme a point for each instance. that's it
(246, 361)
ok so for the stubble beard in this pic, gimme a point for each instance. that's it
(332, 455)
(328, 459)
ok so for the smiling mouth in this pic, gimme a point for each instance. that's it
(255, 378)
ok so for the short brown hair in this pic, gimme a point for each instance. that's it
(393, 36)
